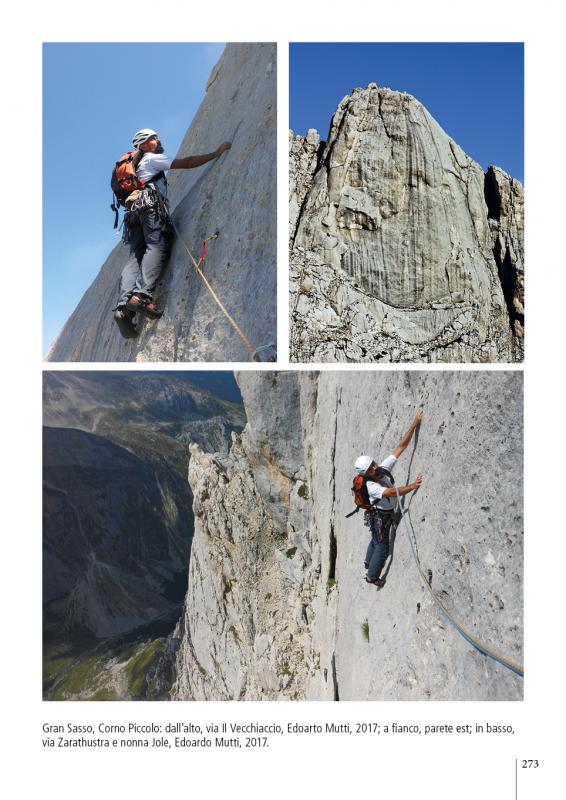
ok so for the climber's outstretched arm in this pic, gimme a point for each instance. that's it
(190, 162)
(410, 487)
(404, 443)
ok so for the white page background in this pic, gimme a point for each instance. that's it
(432, 767)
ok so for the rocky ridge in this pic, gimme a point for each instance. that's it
(277, 607)
(234, 196)
(402, 249)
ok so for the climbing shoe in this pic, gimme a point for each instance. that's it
(123, 318)
(143, 305)
(375, 582)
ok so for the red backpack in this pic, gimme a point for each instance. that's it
(124, 179)
(360, 489)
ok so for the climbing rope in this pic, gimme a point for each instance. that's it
(197, 266)
(440, 603)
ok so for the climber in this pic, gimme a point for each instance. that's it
(380, 515)
(147, 229)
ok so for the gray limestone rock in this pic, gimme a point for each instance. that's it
(412, 263)
(235, 196)
(303, 158)
(277, 607)
(505, 201)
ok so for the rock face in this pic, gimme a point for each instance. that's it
(303, 161)
(277, 606)
(505, 202)
(235, 196)
(402, 249)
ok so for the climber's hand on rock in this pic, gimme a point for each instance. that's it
(418, 417)
(418, 481)
(223, 147)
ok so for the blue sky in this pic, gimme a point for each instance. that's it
(95, 96)
(474, 91)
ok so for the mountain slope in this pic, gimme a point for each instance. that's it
(118, 522)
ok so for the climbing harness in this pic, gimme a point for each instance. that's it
(425, 579)
(124, 182)
(197, 265)
(380, 522)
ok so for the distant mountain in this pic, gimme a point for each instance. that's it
(151, 413)
(116, 530)
(118, 518)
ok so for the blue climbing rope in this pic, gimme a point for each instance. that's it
(439, 602)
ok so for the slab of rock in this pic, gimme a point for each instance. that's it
(277, 607)
(396, 218)
(235, 196)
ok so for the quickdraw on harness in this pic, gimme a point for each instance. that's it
(197, 265)
(360, 490)
(138, 201)
(125, 182)
(518, 670)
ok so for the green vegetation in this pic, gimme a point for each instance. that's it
(200, 667)
(105, 694)
(303, 491)
(78, 666)
(286, 670)
(291, 552)
(365, 630)
(330, 583)
(137, 668)
(60, 651)
(280, 536)
(81, 678)
(56, 660)
(234, 633)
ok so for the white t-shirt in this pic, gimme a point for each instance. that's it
(152, 163)
(375, 490)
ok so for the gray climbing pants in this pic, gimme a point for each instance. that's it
(150, 239)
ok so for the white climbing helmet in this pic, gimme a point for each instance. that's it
(363, 463)
(142, 136)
